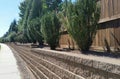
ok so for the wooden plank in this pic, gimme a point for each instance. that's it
(110, 10)
(115, 7)
(118, 6)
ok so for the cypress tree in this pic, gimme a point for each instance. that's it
(34, 24)
(82, 21)
(25, 19)
(50, 24)
(50, 29)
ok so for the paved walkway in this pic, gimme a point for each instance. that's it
(8, 65)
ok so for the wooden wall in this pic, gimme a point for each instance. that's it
(109, 24)
(105, 32)
(109, 31)
(110, 10)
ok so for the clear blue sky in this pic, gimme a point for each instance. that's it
(8, 11)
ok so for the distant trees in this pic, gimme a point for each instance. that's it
(13, 27)
(11, 34)
(41, 20)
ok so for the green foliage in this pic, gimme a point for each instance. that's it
(50, 29)
(36, 10)
(39, 19)
(82, 20)
(23, 21)
(29, 24)
(11, 34)
(11, 37)
(22, 8)
(51, 5)
(20, 38)
(13, 27)
(50, 23)
(34, 24)
(1, 40)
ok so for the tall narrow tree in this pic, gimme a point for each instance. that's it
(50, 22)
(25, 19)
(50, 29)
(82, 20)
(33, 22)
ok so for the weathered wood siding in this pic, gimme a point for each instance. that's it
(110, 10)
(109, 31)
(109, 24)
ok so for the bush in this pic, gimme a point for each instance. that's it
(82, 20)
(50, 29)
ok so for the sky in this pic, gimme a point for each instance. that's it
(8, 12)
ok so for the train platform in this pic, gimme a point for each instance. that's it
(8, 64)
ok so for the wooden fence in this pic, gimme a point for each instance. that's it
(109, 27)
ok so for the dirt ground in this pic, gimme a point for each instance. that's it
(24, 54)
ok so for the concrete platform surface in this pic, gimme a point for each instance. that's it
(8, 64)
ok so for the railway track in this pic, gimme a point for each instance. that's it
(41, 68)
(37, 69)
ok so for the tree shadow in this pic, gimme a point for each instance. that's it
(105, 54)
